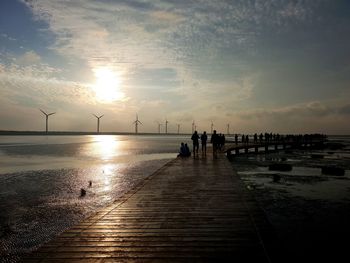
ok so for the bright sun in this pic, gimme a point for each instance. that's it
(107, 85)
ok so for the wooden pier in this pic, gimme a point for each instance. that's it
(191, 210)
(256, 147)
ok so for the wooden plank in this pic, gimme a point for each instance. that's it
(194, 210)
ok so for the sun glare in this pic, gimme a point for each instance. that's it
(106, 147)
(107, 85)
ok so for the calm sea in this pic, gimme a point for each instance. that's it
(41, 178)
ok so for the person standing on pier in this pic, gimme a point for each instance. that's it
(214, 140)
(195, 140)
(204, 139)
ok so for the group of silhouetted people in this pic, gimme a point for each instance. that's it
(184, 150)
(217, 140)
(195, 140)
(276, 137)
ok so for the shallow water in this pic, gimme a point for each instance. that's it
(41, 178)
(309, 210)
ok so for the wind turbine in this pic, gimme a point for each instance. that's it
(178, 129)
(228, 128)
(137, 122)
(47, 118)
(98, 122)
(166, 126)
(193, 127)
(159, 125)
(211, 127)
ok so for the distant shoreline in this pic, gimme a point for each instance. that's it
(65, 133)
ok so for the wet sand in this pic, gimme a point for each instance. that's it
(309, 211)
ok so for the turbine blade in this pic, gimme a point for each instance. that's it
(52, 113)
(101, 116)
(43, 111)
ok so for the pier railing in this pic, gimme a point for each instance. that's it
(272, 145)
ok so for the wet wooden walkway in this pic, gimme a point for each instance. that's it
(191, 210)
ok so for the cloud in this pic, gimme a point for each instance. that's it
(6, 36)
(184, 59)
(34, 92)
(130, 28)
(167, 17)
(29, 58)
(345, 109)
(314, 109)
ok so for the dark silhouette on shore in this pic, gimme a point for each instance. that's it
(204, 138)
(82, 192)
(195, 141)
(184, 150)
(215, 141)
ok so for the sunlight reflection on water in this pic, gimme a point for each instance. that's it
(105, 147)
(41, 178)
(29, 153)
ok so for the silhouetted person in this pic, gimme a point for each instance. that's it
(215, 141)
(195, 140)
(184, 152)
(222, 141)
(187, 150)
(204, 139)
(261, 136)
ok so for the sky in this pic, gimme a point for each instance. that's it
(258, 65)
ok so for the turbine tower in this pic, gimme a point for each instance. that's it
(159, 125)
(193, 127)
(98, 122)
(137, 122)
(166, 126)
(47, 118)
(178, 129)
(211, 127)
(228, 128)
